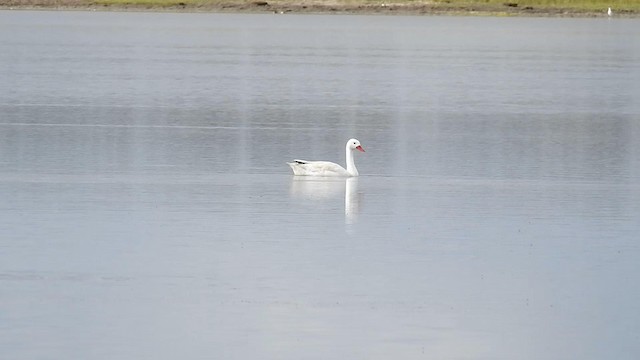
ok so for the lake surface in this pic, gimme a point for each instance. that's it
(146, 210)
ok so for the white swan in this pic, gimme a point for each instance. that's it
(327, 168)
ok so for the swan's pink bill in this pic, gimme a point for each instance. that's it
(359, 147)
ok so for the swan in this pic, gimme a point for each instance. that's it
(327, 168)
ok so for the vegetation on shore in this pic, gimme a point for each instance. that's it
(626, 8)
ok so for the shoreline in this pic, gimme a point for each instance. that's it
(301, 7)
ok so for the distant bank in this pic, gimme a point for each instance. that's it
(557, 8)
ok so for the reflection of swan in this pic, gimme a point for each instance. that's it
(327, 168)
(351, 201)
(318, 189)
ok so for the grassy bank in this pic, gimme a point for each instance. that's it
(622, 8)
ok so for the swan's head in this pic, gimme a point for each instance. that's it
(354, 144)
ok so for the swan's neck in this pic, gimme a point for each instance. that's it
(351, 165)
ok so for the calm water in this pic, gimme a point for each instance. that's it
(147, 212)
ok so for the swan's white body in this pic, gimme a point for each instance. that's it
(327, 168)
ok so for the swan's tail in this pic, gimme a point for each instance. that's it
(295, 166)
